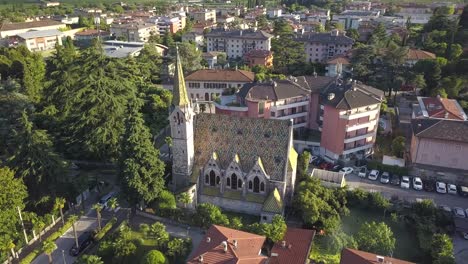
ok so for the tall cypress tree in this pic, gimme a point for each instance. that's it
(141, 170)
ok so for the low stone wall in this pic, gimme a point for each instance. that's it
(233, 205)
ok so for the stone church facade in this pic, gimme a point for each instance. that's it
(240, 164)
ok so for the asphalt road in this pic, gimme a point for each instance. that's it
(410, 195)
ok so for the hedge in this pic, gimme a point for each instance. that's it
(393, 169)
(30, 257)
(100, 234)
(60, 231)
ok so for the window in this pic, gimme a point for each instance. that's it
(228, 183)
(234, 181)
(272, 114)
(217, 180)
(256, 185)
(261, 108)
(207, 179)
(212, 178)
(250, 185)
(239, 183)
(262, 187)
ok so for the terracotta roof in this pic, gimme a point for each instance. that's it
(249, 138)
(339, 59)
(258, 53)
(26, 25)
(416, 54)
(273, 203)
(440, 129)
(274, 91)
(300, 241)
(353, 256)
(221, 75)
(442, 108)
(247, 251)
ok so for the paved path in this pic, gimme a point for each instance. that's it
(460, 249)
(410, 195)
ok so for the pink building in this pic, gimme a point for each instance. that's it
(348, 119)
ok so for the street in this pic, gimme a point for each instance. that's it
(388, 190)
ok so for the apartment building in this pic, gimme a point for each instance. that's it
(193, 37)
(259, 57)
(348, 118)
(13, 29)
(237, 42)
(38, 40)
(320, 47)
(438, 108)
(351, 19)
(207, 84)
(134, 31)
(204, 16)
(168, 24)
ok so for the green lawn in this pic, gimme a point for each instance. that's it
(406, 242)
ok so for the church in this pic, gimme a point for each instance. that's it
(240, 164)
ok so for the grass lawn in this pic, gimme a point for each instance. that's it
(406, 242)
(246, 218)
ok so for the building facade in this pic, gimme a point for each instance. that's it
(204, 16)
(237, 42)
(207, 84)
(38, 40)
(134, 32)
(259, 57)
(320, 47)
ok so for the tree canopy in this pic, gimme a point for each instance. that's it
(376, 238)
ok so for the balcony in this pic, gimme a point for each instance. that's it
(302, 124)
(357, 148)
(229, 103)
(360, 114)
(275, 108)
(359, 137)
(291, 116)
(370, 124)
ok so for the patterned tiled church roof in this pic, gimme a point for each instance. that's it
(249, 138)
(180, 97)
(273, 203)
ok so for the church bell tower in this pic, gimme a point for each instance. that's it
(181, 121)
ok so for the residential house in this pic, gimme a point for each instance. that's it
(225, 19)
(338, 65)
(354, 256)
(168, 24)
(240, 164)
(348, 119)
(134, 31)
(195, 38)
(38, 40)
(13, 29)
(294, 248)
(87, 35)
(207, 84)
(259, 57)
(415, 55)
(201, 28)
(237, 42)
(359, 5)
(438, 108)
(274, 12)
(204, 16)
(351, 19)
(50, 4)
(211, 58)
(319, 47)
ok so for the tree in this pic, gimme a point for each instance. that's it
(113, 204)
(166, 201)
(59, 204)
(221, 59)
(432, 73)
(276, 229)
(303, 165)
(176, 248)
(90, 259)
(334, 242)
(208, 214)
(353, 33)
(442, 249)
(418, 81)
(452, 85)
(184, 198)
(141, 170)
(48, 247)
(190, 57)
(154, 257)
(398, 146)
(158, 232)
(73, 219)
(13, 192)
(7, 246)
(98, 209)
(38, 226)
(376, 238)
(379, 35)
(444, 10)
(168, 40)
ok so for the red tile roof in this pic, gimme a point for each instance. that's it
(258, 53)
(353, 256)
(212, 251)
(416, 54)
(298, 243)
(221, 75)
(443, 108)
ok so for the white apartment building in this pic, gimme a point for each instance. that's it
(204, 16)
(351, 19)
(319, 47)
(13, 29)
(196, 38)
(39, 40)
(237, 42)
(134, 32)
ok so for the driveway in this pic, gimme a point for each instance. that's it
(410, 195)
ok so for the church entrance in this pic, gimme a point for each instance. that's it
(234, 181)
(212, 178)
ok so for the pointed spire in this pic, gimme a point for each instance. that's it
(180, 97)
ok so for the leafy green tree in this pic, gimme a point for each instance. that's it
(159, 233)
(184, 198)
(98, 208)
(176, 248)
(113, 204)
(334, 242)
(208, 214)
(13, 193)
(432, 73)
(379, 35)
(375, 237)
(166, 201)
(154, 257)
(141, 170)
(303, 165)
(236, 223)
(190, 57)
(38, 226)
(59, 204)
(277, 228)
(150, 63)
(90, 259)
(7, 246)
(353, 33)
(442, 249)
(444, 10)
(35, 159)
(289, 54)
(452, 85)
(398, 146)
(168, 40)
(48, 247)
(418, 81)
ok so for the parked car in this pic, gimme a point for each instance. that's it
(441, 187)
(463, 191)
(312, 159)
(385, 177)
(83, 242)
(336, 168)
(445, 208)
(405, 182)
(429, 185)
(362, 172)
(452, 188)
(347, 170)
(373, 175)
(395, 179)
(103, 201)
(318, 161)
(417, 184)
(458, 212)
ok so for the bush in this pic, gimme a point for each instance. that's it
(30, 257)
(393, 169)
(99, 235)
(154, 257)
(60, 232)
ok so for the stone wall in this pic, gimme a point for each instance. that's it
(232, 205)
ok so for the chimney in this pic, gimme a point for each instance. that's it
(380, 259)
(208, 239)
(200, 258)
(439, 98)
(289, 246)
(283, 244)
(235, 243)
(224, 244)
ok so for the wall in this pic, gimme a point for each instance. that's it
(333, 130)
(314, 108)
(442, 153)
(233, 205)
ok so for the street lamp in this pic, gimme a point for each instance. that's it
(63, 256)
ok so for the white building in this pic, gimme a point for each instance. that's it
(196, 38)
(351, 19)
(40, 40)
(204, 16)
(12, 29)
(274, 12)
(237, 42)
(134, 32)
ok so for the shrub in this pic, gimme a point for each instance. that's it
(30, 257)
(99, 235)
(60, 231)
(154, 257)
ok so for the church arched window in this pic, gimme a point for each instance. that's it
(207, 179)
(239, 183)
(234, 181)
(262, 187)
(228, 182)
(250, 185)
(256, 184)
(212, 178)
(217, 180)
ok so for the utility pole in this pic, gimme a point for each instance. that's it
(22, 225)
